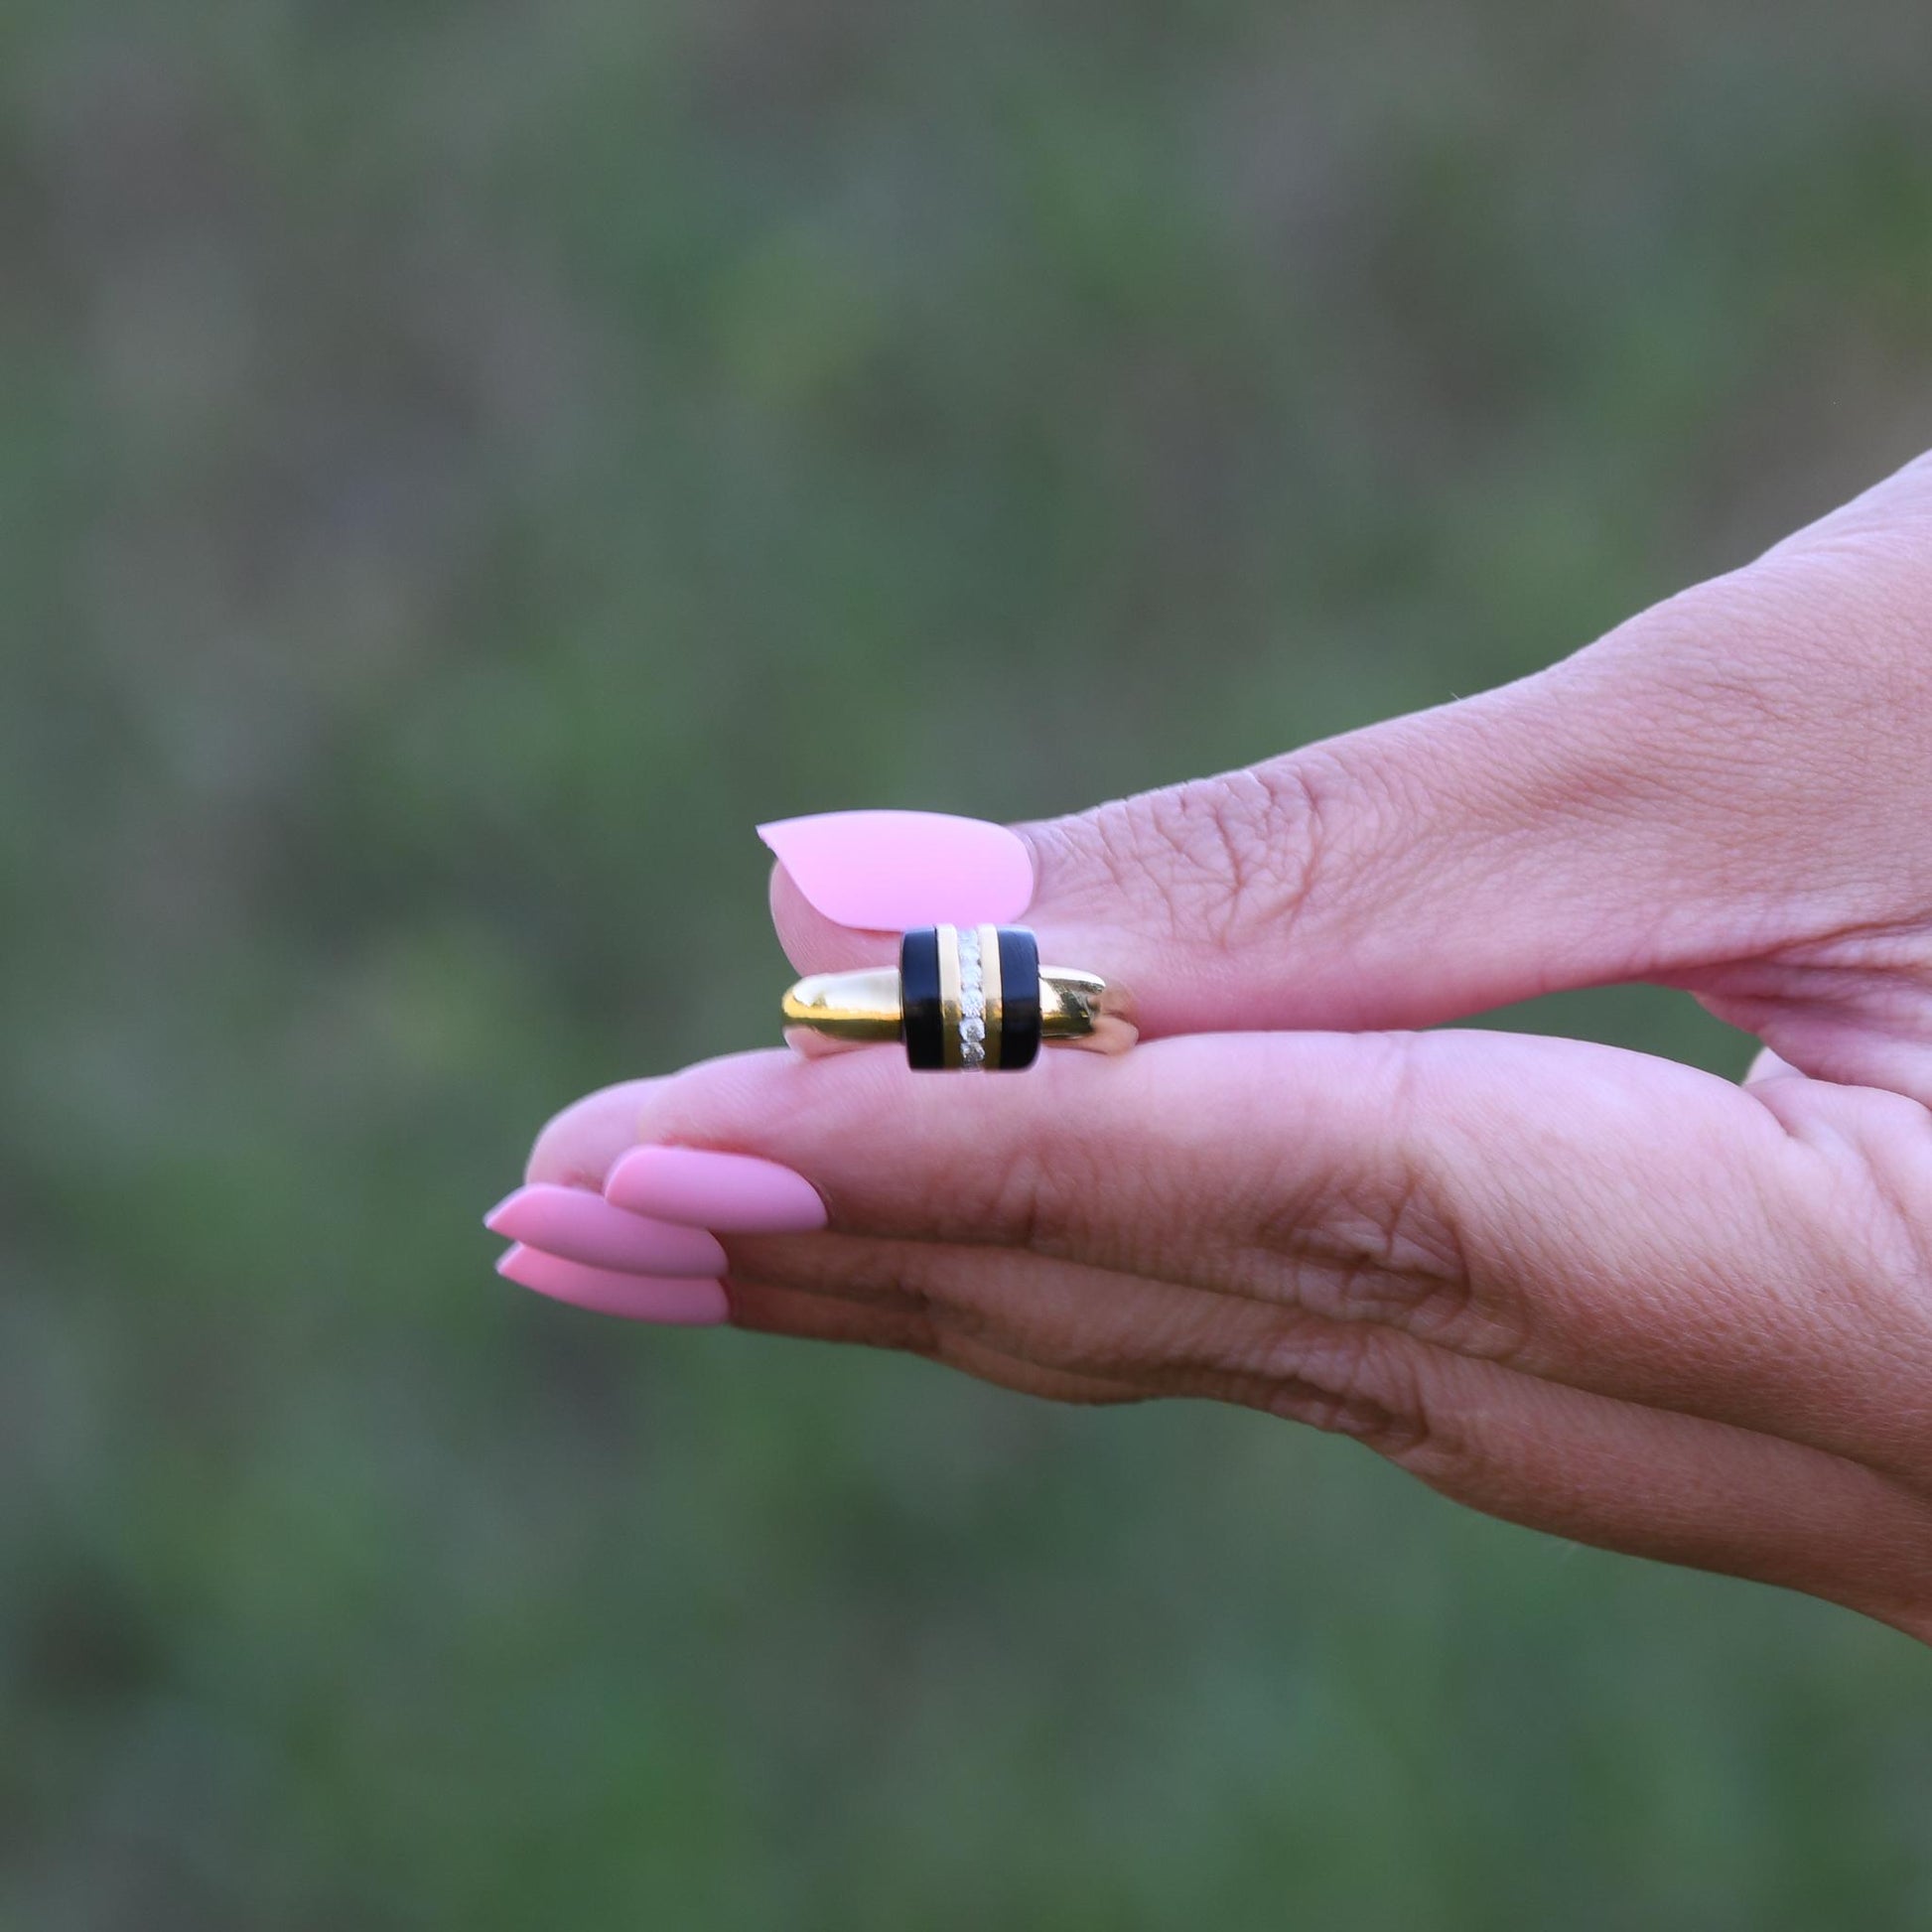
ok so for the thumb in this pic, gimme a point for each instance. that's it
(1430, 866)
(1672, 797)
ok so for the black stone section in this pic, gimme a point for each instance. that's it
(918, 976)
(1019, 998)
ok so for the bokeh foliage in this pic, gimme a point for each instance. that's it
(461, 465)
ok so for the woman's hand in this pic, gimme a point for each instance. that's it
(1587, 1289)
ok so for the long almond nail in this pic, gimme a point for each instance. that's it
(574, 1224)
(888, 870)
(735, 1193)
(637, 1298)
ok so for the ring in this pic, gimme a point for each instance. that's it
(975, 998)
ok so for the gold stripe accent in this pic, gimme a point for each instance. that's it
(949, 993)
(996, 1006)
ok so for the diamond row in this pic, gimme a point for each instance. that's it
(972, 1002)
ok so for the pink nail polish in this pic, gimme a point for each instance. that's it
(736, 1193)
(888, 871)
(574, 1224)
(637, 1298)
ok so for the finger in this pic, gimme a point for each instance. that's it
(577, 1149)
(1644, 1481)
(904, 1324)
(891, 1320)
(1614, 817)
(1623, 1224)
(672, 1301)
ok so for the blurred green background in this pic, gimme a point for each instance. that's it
(459, 467)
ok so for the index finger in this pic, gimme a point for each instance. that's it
(1620, 1224)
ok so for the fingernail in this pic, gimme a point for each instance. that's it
(679, 1303)
(574, 1224)
(735, 1193)
(890, 871)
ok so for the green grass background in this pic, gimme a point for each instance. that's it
(459, 467)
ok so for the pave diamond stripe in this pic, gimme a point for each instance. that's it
(972, 1001)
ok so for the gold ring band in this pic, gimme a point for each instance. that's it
(971, 999)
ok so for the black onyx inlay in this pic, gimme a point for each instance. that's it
(921, 1023)
(1019, 998)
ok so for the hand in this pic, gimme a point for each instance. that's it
(1587, 1289)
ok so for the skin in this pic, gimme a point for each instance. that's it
(1587, 1289)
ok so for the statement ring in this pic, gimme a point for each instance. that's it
(973, 998)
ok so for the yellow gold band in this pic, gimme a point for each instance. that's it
(827, 1013)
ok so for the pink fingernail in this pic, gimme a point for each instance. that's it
(736, 1193)
(574, 1224)
(637, 1298)
(888, 871)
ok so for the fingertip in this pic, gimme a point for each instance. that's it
(712, 1188)
(576, 1146)
(494, 1218)
(890, 871)
(668, 1302)
(815, 944)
